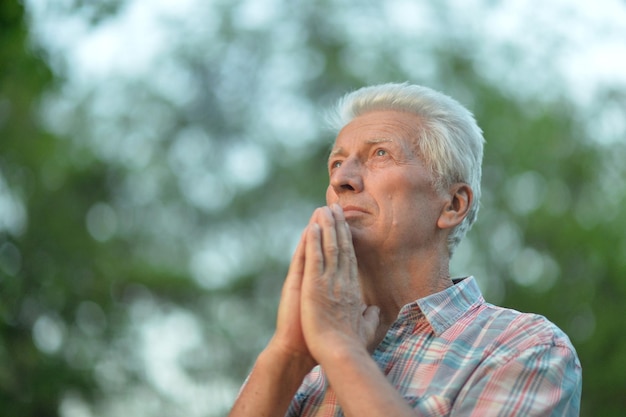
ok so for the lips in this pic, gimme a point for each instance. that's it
(353, 210)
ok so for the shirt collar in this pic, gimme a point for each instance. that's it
(444, 308)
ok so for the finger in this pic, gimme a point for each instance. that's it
(329, 239)
(296, 268)
(313, 258)
(370, 323)
(346, 257)
(371, 316)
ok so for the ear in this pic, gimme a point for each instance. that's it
(457, 206)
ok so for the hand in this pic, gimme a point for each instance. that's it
(333, 314)
(288, 338)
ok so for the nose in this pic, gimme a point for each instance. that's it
(347, 177)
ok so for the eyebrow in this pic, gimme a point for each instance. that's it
(375, 141)
(335, 152)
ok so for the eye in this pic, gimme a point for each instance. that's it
(335, 164)
(381, 152)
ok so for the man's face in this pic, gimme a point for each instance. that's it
(386, 191)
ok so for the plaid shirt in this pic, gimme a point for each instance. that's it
(453, 354)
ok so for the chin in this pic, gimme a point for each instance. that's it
(360, 242)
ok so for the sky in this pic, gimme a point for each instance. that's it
(592, 50)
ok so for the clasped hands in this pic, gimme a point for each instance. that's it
(321, 313)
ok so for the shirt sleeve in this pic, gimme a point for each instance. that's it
(544, 380)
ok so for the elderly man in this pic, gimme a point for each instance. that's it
(370, 322)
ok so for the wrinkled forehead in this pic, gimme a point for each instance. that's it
(381, 126)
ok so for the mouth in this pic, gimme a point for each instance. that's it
(353, 210)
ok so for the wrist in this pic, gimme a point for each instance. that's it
(297, 361)
(340, 353)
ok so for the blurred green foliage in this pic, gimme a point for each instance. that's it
(135, 230)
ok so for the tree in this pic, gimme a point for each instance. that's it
(63, 286)
(150, 203)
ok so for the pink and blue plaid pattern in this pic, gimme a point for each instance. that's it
(453, 354)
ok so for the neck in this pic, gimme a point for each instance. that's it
(392, 281)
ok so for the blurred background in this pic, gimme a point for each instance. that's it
(158, 160)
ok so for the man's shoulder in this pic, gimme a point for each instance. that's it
(519, 330)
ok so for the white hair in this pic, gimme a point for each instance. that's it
(448, 138)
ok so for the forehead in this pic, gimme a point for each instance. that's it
(380, 126)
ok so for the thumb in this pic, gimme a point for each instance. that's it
(371, 321)
(371, 315)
